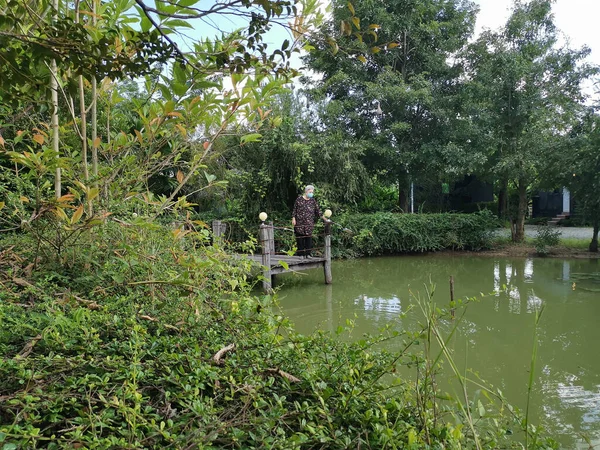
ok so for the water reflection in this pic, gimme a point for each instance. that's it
(379, 305)
(495, 337)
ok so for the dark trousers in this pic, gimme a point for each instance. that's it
(304, 244)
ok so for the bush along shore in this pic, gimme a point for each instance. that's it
(135, 336)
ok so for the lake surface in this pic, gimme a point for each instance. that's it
(496, 334)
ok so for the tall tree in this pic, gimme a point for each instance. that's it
(528, 92)
(399, 101)
(294, 151)
(577, 166)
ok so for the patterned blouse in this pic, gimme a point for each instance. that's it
(306, 211)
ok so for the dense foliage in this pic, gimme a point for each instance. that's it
(387, 233)
(124, 327)
(138, 337)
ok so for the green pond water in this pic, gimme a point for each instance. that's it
(495, 336)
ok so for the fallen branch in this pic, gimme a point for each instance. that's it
(21, 282)
(287, 376)
(122, 222)
(28, 347)
(151, 319)
(220, 353)
(89, 303)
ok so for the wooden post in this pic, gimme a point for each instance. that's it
(218, 229)
(264, 234)
(327, 264)
(452, 304)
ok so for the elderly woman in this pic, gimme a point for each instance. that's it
(306, 211)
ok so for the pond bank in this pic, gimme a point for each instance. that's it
(528, 251)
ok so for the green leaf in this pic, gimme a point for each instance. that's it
(180, 89)
(480, 408)
(174, 23)
(179, 73)
(253, 137)
(284, 265)
(169, 107)
(209, 177)
(145, 23)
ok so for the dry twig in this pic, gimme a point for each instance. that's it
(287, 376)
(220, 353)
(29, 347)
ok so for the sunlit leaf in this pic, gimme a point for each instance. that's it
(480, 408)
(334, 46)
(60, 213)
(66, 198)
(169, 107)
(92, 193)
(180, 176)
(77, 215)
(176, 23)
(252, 137)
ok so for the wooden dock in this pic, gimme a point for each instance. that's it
(274, 264)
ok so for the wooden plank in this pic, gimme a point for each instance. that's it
(298, 267)
(290, 260)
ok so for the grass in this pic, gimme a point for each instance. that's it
(572, 243)
(580, 244)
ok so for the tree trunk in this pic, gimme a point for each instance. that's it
(503, 199)
(94, 114)
(594, 244)
(54, 116)
(519, 231)
(82, 112)
(402, 197)
(54, 125)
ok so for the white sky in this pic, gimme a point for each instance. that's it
(576, 19)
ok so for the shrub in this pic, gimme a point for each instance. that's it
(546, 237)
(388, 233)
